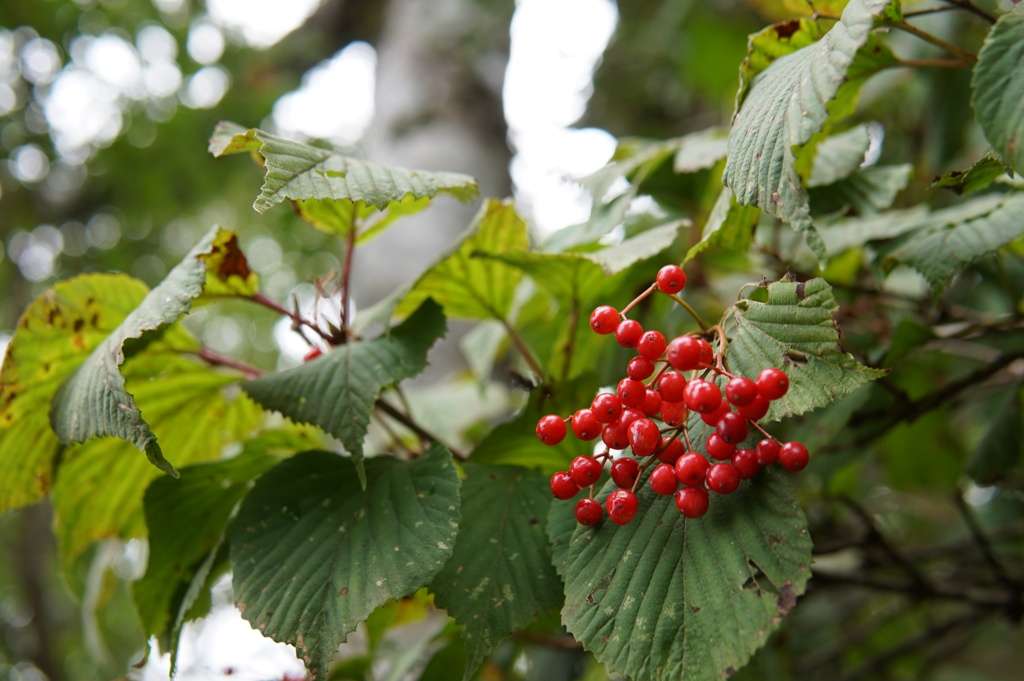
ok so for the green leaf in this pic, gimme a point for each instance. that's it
(93, 401)
(942, 247)
(839, 156)
(500, 576)
(787, 104)
(794, 331)
(54, 336)
(189, 408)
(866, 191)
(771, 43)
(187, 519)
(998, 87)
(468, 285)
(313, 554)
(1002, 446)
(670, 598)
(701, 150)
(729, 226)
(979, 176)
(301, 172)
(338, 390)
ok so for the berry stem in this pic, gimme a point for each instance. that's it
(650, 289)
(688, 308)
(346, 275)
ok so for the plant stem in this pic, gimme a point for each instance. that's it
(298, 320)
(570, 343)
(346, 274)
(524, 351)
(965, 55)
(932, 63)
(688, 308)
(217, 359)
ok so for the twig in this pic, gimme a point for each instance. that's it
(570, 343)
(966, 55)
(217, 359)
(876, 537)
(297, 319)
(1015, 609)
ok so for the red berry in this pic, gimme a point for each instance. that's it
(755, 410)
(585, 470)
(614, 435)
(713, 417)
(732, 428)
(693, 502)
(692, 469)
(313, 353)
(767, 451)
(671, 385)
(551, 429)
(723, 478)
(683, 353)
(622, 506)
(644, 436)
(671, 279)
(793, 456)
(707, 355)
(625, 471)
(745, 461)
(629, 415)
(674, 413)
(585, 425)
(719, 448)
(652, 345)
(639, 368)
(604, 319)
(652, 403)
(631, 393)
(701, 396)
(772, 383)
(563, 486)
(628, 333)
(663, 480)
(588, 511)
(741, 391)
(606, 407)
(671, 449)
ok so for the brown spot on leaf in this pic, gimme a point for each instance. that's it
(533, 521)
(234, 261)
(344, 591)
(787, 29)
(800, 287)
(78, 324)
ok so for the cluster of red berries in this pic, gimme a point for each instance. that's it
(655, 390)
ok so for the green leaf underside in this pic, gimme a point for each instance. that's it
(794, 331)
(867, 191)
(980, 175)
(500, 577)
(313, 554)
(468, 285)
(337, 391)
(669, 598)
(729, 226)
(998, 87)
(567, 275)
(302, 172)
(187, 519)
(786, 105)
(839, 156)
(941, 248)
(93, 402)
(190, 412)
(54, 336)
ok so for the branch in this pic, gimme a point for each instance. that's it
(406, 421)
(968, 6)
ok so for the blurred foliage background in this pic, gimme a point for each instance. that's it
(124, 183)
